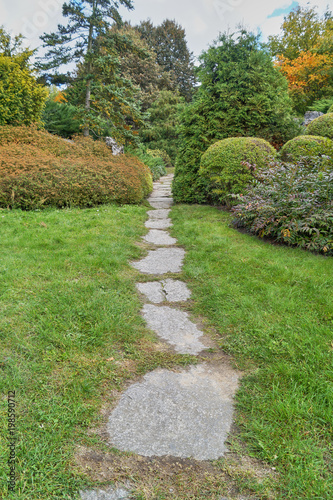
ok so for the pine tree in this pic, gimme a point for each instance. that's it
(168, 41)
(86, 41)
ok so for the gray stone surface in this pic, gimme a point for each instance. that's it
(158, 223)
(153, 291)
(174, 327)
(310, 116)
(159, 214)
(108, 494)
(187, 414)
(175, 291)
(158, 237)
(170, 290)
(161, 261)
(160, 202)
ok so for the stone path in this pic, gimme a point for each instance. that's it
(185, 413)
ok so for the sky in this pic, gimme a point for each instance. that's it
(203, 20)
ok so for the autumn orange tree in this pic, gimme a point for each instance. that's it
(304, 53)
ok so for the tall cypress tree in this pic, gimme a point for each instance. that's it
(84, 41)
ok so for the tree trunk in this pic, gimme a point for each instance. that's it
(89, 68)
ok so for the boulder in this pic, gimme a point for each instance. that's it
(310, 116)
(116, 148)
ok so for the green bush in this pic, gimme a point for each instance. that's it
(241, 94)
(306, 147)
(229, 164)
(322, 126)
(61, 119)
(323, 105)
(155, 163)
(161, 153)
(292, 204)
(38, 169)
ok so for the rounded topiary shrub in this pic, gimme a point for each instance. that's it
(306, 147)
(229, 164)
(322, 126)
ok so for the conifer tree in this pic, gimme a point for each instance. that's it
(86, 41)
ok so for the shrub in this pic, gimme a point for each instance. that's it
(330, 109)
(306, 147)
(292, 204)
(323, 126)
(323, 105)
(242, 94)
(225, 164)
(21, 97)
(38, 170)
(161, 153)
(155, 163)
(61, 119)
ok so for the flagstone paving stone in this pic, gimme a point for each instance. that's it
(158, 223)
(109, 494)
(158, 237)
(161, 261)
(186, 414)
(174, 327)
(176, 291)
(159, 214)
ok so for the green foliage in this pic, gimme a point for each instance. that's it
(242, 94)
(292, 204)
(302, 30)
(160, 153)
(323, 105)
(306, 148)
(61, 119)
(168, 41)
(229, 164)
(323, 126)
(155, 163)
(161, 130)
(21, 97)
(38, 170)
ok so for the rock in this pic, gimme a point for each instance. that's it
(116, 149)
(310, 116)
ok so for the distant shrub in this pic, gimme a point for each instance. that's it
(292, 204)
(149, 157)
(61, 119)
(224, 164)
(161, 153)
(323, 105)
(38, 170)
(307, 147)
(322, 126)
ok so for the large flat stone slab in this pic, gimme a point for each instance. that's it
(166, 290)
(174, 327)
(158, 237)
(161, 261)
(159, 214)
(175, 290)
(187, 414)
(158, 223)
(160, 202)
(108, 494)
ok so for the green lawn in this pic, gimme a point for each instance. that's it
(272, 307)
(69, 321)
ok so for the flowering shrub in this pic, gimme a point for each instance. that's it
(38, 170)
(292, 204)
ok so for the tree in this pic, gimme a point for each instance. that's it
(86, 40)
(301, 32)
(21, 97)
(141, 67)
(241, 94)
(168, 41)
(161, 131)
(304, 53)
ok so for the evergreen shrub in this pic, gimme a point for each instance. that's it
(229, 164)
(306, 147)
(323, 126)
(38, 170)
(161, 153)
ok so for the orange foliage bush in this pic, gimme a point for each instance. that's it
(38, 169)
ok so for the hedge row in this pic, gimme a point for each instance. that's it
(38, 170)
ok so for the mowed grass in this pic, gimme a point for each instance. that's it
(69, 323)
(272, 307)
